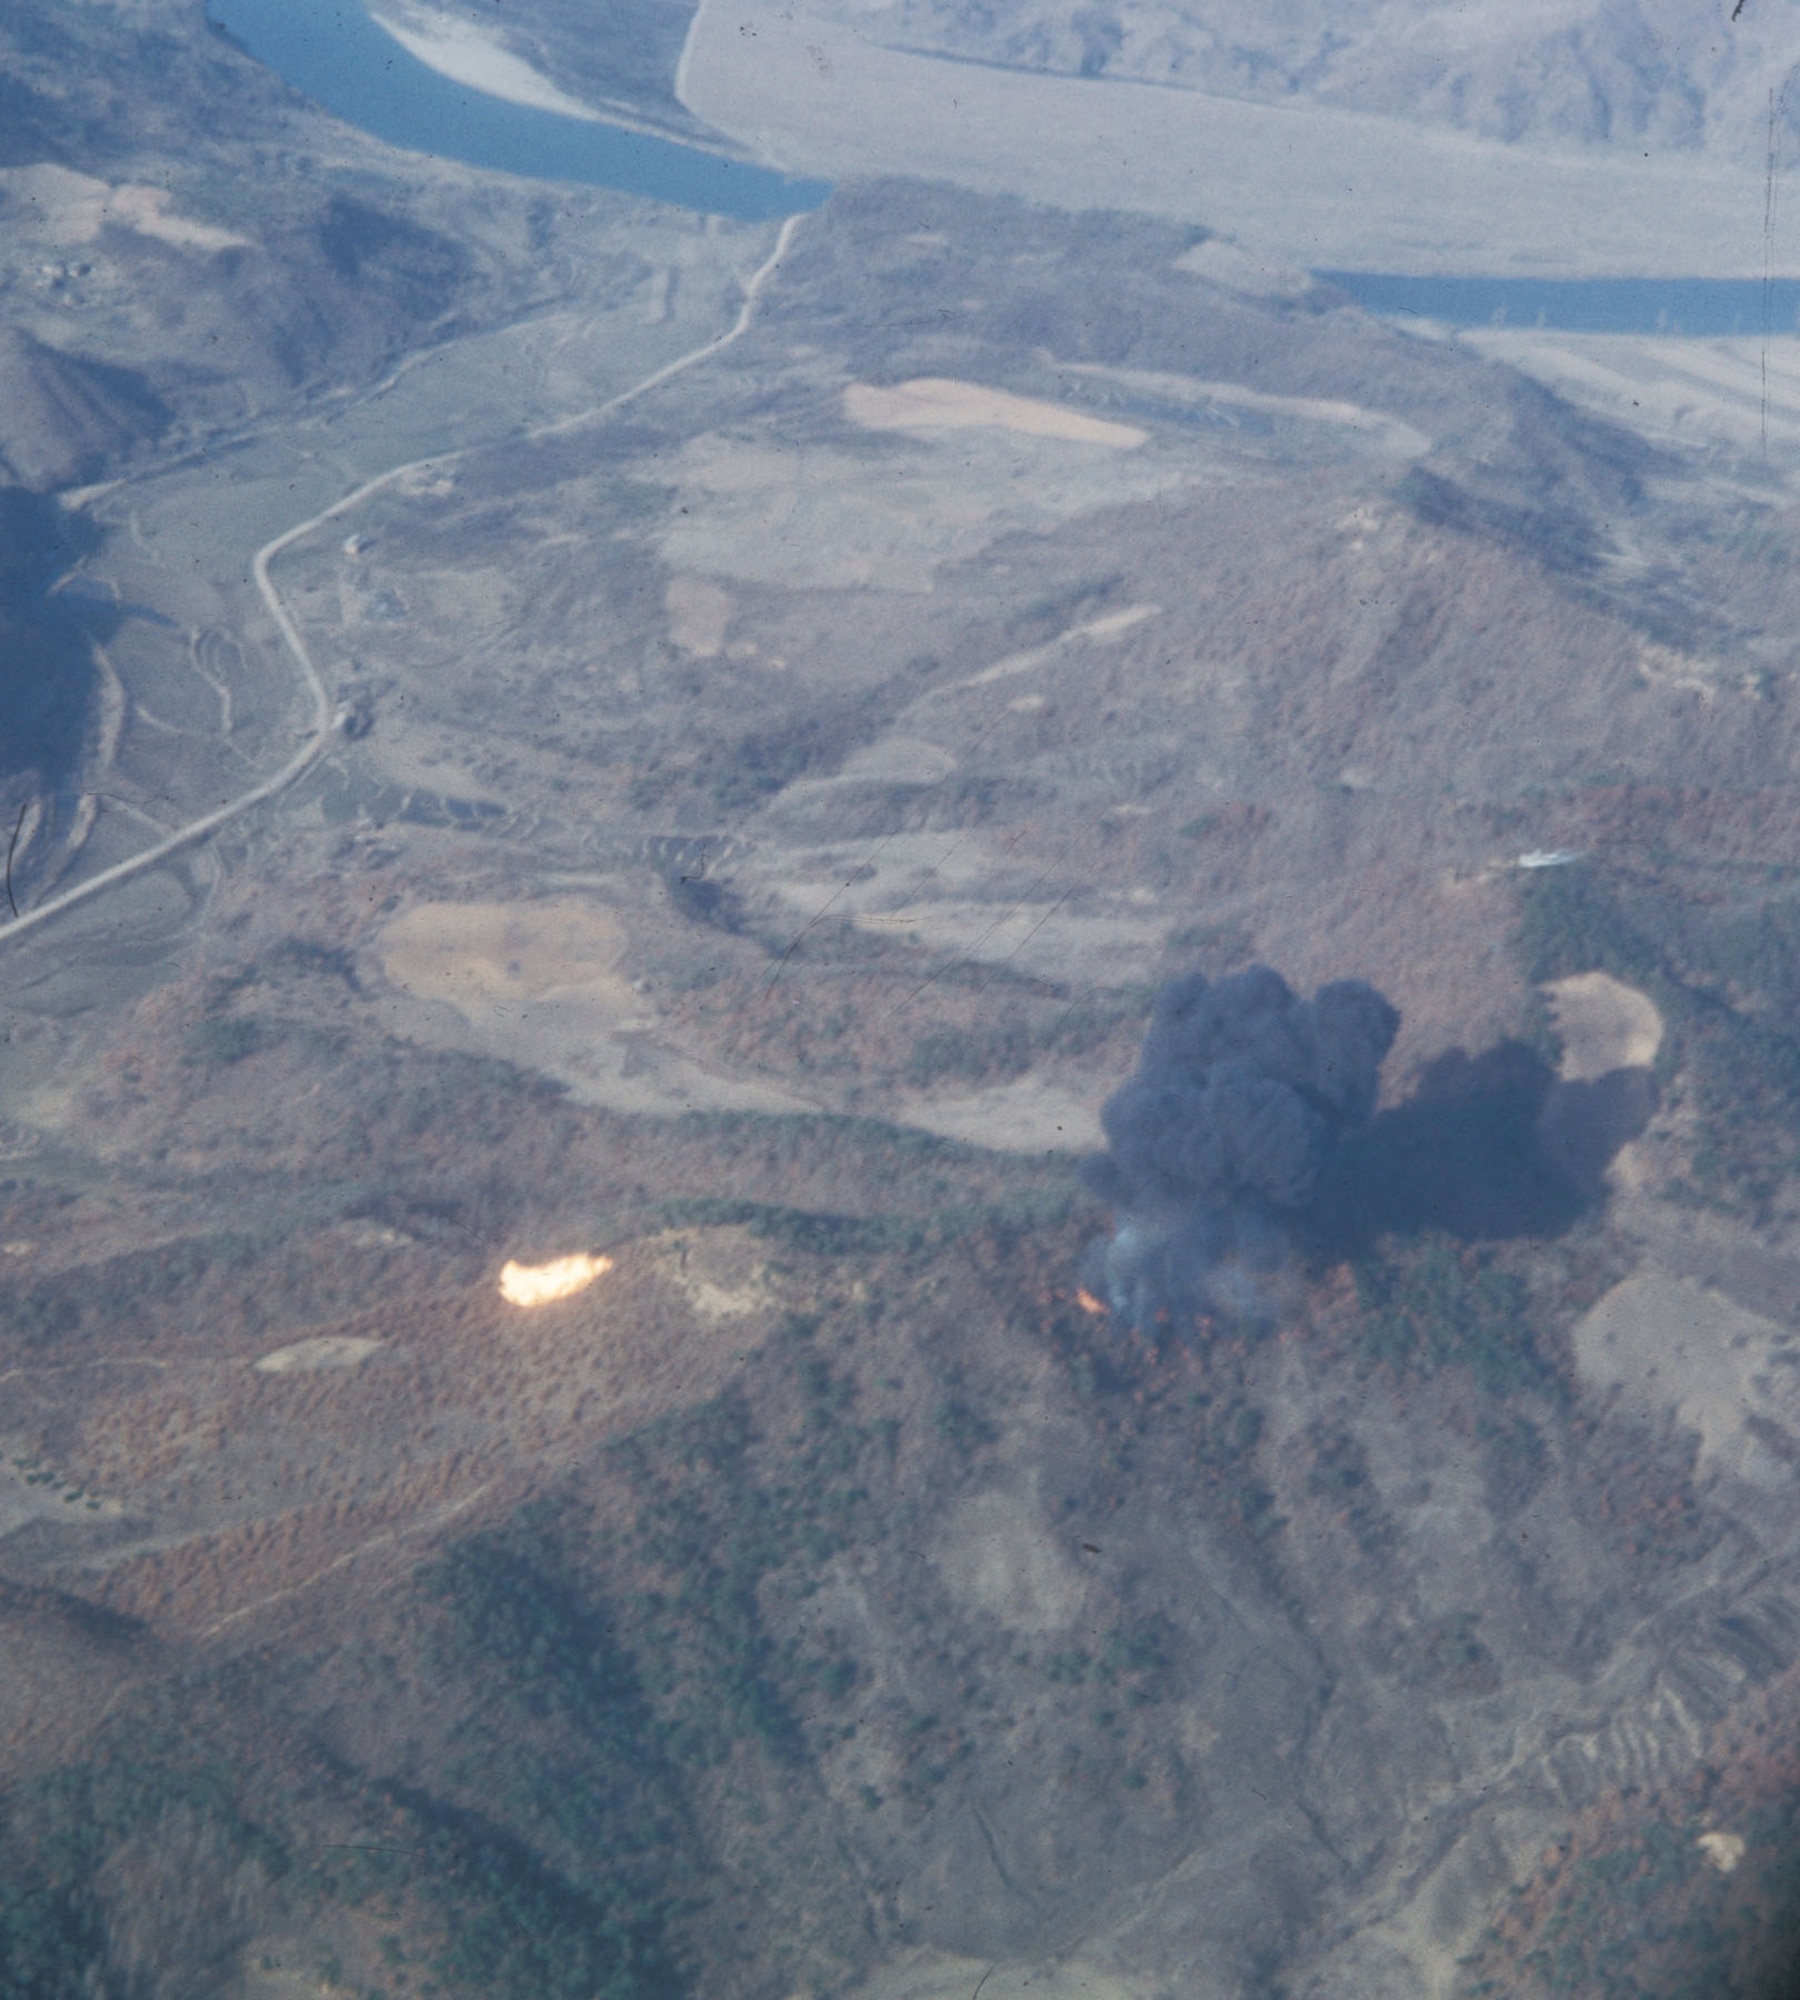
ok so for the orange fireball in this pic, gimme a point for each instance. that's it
(561, 1278)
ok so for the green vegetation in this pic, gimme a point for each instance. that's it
(123, 1291)
(1002, 1048)
(1514, 1458)
(1219, 948)
(1135, 1661)
(720, 1536)
(964, 1429)
(217, 1043)
(1226, 1431)
(1085, 1023)
(821, 1233)
(1448, 1654)
(79, 1855)
(1568, 922)
(156, 1836)
(1008, 1047)
(567, 1895)
(1337, 1476)
(52, 1936)
(1563, 540)
(1436, 1304)
(515, 1927)
(309, 958)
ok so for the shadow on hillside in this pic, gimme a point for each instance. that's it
(1488, 1147)
(47, 675)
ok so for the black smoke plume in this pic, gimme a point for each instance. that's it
(1221, 1140)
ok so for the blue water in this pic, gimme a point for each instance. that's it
(1696, 307)
(334, 53)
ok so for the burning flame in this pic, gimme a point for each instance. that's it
(1087, 1301)
(561, 1278)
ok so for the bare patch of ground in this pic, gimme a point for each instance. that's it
(538, 984)
(57, 205)
(1671, 1346)
(699, 613)
(469, 53)
(308, 1357)
(1603, 1025)
(1029, 1115)
(1105, 630)
(999, 1555)
(722, 1273)
(478, 957)
(933, 404)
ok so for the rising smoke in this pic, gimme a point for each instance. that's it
(1219, 1142)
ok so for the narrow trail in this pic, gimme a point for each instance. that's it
(320, 729)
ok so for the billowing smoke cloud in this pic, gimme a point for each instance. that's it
(1220, 1140)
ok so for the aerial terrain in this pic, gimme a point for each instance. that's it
(600, 799)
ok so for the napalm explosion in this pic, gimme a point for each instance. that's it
(1219, 1141)
(544, 1284)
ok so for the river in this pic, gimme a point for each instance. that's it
(334, 53)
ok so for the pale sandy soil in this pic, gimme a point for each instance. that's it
(1103, 631)
(933, 403)
(1670, 1346)
(1314, 187)
(1603, 1025)
(479, 957)
(471, 54)
(938, 892)
(723, 1274)
(1387, 434)
(538, 984)
(1028, 1115)
(699, 614)
(308, 1357)
(50, 204)
(1000, 1555)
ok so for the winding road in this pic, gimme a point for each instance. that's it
(310, 751)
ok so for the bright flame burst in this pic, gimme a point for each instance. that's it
(1087, 1301)
(561, 1278)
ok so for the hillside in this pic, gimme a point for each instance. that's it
(792, 699)
(1632, 76)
